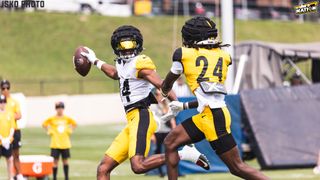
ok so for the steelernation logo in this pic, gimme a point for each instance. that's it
(22, 3)
(306, 8)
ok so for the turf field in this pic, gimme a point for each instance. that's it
(39, 46)
(90, 142)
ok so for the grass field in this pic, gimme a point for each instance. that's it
(90, 142)
(39, 46)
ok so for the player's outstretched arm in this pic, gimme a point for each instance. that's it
(108, 69)
(153, 77)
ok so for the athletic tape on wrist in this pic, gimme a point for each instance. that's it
(99, 64)
(186, 105)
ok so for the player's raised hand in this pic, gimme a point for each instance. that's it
(91, 55)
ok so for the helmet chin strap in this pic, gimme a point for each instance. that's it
(127, 57)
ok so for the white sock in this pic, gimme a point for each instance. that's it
(316, 170)
(20, 177)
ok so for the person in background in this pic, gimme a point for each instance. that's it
(199, 9)
(6, 134)
(13, 106)
(181, 89)
(60, 127)
(164, 128)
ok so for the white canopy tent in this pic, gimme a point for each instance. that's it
(264, 62)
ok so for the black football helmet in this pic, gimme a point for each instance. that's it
(199, 31)
(127, 41)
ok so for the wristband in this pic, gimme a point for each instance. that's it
(99, 63)
(185, 105)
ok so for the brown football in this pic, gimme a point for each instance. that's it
(81, 64)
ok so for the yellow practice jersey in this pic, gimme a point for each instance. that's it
(59, 128)
(6, 123)
(202, 64)
(13, 106)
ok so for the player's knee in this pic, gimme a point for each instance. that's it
(103, 169)
(15, 156)
(138, 168)
(15, 153)
(169, 142)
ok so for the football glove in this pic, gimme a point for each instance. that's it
(176, 107)
(167, 116)
(90, 55)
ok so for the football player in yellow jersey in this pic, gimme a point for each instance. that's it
(205, 66)
(60, 127)
(14, 107)
(136, 74)
(6, 134)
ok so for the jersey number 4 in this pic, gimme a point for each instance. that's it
(216, 72)
(126, 90)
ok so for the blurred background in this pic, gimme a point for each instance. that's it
(43, 39)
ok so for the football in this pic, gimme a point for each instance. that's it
(81, 64)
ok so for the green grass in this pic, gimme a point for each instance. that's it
(39, 46)
(90, 142)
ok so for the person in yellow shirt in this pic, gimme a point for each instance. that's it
(6, 134)
(13, 106)
(60, 127)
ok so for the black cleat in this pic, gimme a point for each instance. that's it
(203, 162)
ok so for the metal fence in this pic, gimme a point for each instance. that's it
(66, 86)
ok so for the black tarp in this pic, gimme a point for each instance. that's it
(315, 70)
(285, 125)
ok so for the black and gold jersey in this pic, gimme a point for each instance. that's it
(201, 64)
